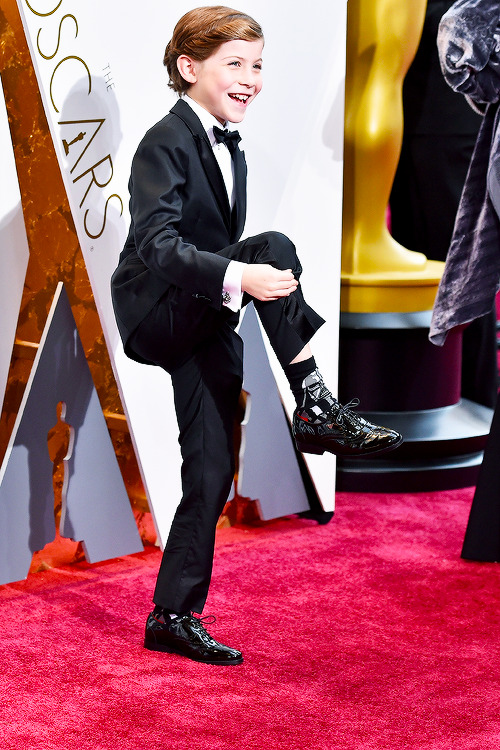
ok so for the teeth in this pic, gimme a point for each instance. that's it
(240, 97)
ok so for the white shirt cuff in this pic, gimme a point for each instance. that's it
(231, 288)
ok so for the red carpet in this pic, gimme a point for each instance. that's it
(367, 633)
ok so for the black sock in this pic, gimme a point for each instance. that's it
(311, 394)
(296, 374)
(165, 613)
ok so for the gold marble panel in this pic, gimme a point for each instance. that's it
(55, 255)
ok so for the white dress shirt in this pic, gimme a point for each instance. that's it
(231, 288)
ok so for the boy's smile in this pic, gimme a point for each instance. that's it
(226, 82)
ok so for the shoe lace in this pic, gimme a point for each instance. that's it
(208, 620)
(199, 623)
(343, 414)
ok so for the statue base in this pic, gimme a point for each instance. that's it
(405, 382)
(389, 291)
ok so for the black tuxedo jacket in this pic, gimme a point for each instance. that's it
(180, 218)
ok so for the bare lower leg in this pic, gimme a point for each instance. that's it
(306, 353)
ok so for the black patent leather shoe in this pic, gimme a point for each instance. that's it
(185, 635)
(343, 433)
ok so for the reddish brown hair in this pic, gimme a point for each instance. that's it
(200, 32)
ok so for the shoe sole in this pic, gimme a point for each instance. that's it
(318, 450)
(168, 650)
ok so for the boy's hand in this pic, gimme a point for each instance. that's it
(266, 283)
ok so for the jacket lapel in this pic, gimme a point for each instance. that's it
(207, 157)
(240, 206)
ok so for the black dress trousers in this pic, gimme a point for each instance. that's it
(199, 347)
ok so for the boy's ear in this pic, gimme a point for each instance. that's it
(187, 68)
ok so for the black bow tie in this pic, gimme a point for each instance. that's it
(230, 137)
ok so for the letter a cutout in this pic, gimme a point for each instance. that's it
(96, 510)
(269, 470)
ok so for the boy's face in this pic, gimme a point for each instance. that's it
(227, 81)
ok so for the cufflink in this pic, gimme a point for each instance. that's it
(226, 298)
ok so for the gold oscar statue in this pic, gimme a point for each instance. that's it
(378, 274)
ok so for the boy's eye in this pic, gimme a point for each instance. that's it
(258, 66)
(235, 63)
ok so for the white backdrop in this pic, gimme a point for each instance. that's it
(100, 72)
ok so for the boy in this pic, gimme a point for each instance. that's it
(182, 279)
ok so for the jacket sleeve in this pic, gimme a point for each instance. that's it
(157, 186)
(469, 49)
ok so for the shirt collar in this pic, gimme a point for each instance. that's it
(207, 120)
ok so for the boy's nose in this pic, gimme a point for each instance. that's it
(246, 79)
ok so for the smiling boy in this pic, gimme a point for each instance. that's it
(182, 279)
(226, 82)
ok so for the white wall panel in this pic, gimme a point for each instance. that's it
(103, 62)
